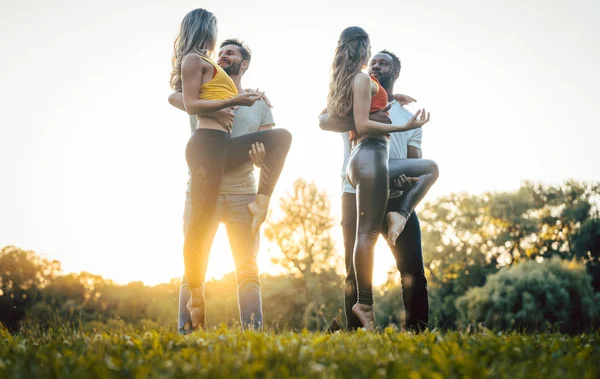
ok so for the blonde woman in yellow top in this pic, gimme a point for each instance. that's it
(209, 93)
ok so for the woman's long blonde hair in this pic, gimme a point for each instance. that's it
(197, 34)
(352, 51)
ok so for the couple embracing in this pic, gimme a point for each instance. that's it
(232, 129)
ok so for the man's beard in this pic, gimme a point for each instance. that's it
(233, 69)
(384, 80)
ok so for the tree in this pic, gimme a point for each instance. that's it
(534, 296)
(303, 235)
(586, 244)
(23, 275)
(468, 237)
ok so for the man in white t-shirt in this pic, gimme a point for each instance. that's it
(238, 189)
(385, 66)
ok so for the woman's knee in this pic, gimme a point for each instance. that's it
(433, 170)
(366, 241)
(283, 136)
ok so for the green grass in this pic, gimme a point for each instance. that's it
(222, 353)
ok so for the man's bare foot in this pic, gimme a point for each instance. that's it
(365, 314)
(197, 309)
(258, 209)
(396, 223)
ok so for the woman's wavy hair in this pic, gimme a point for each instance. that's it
(352, 50)
(197, 34)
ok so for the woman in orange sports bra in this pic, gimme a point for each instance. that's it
(211, 150)
(353, 92)
(379, 101)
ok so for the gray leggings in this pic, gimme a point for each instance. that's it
(369, 172)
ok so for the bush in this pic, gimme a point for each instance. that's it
(534, 296)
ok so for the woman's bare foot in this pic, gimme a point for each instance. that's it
(196, 308)
(258, 209)
(396, 223)
(365, 314)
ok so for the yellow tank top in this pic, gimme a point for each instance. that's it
(220, 87)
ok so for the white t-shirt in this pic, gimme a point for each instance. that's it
(398, 146)
(241, 181)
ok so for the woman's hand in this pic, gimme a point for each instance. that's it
(225, 117)
(404, 99)
(418, 119)
(264, 97)
(247, 99)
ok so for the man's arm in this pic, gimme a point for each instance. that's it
(403, 182)
(176, 100)
(258, 153)
(267, 121)
(414, 152)
(335, 123)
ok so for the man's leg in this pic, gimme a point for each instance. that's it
(349, 230)
(244, 246)
(184, 321)
(408, 253)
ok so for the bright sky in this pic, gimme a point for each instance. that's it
(92, 155)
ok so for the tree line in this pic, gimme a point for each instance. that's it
(527, 259)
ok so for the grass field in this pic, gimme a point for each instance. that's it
(223, 353)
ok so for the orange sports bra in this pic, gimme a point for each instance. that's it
(220, 87)
(378, 102)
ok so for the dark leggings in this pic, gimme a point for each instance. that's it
(209, 154)
(427, 172)
(369, 172)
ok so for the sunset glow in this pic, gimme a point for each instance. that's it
(92, 155)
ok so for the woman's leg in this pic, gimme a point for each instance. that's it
(205, 154)
(425, 169)
(368, 172)
(427, 172)
(277, 144)
(349, 233)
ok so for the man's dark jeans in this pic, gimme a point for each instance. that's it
(409, 261)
